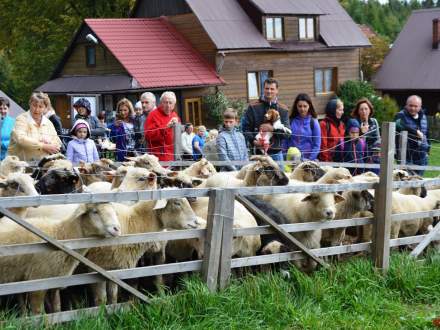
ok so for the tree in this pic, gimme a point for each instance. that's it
(372, 58)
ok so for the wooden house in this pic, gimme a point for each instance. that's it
(307, 45)
(413, 64)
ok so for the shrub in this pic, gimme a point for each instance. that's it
(351, 91)
(217, 103)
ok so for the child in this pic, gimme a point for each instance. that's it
(198, 142)
(355, 147)
(81, 147)
(138, 122)
(231, 144)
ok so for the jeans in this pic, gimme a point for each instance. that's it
(279, 158)
(417, 158)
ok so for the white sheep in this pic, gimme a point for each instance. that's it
(12, 164)
(202, 169)
(87, 220)
(308, 171)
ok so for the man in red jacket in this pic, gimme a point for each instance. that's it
(159, 128)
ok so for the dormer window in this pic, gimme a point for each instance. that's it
(306, 28)
(274, 28)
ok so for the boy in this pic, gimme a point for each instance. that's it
(354, 147)
(231, 144)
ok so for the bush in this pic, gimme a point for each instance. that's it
(351, 91)
(217, 103)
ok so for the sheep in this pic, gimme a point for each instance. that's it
(366, 177)
(299, 208)
(55, 161)
(87, 220)
(308, 171)
(59, 181)
(202, 169)
(17, 184)
(97, 171)
(12, 164)
(418, 191)
(355, 201)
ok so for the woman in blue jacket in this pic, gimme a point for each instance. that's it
(6, 126)
(306, 133)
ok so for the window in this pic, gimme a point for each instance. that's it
(91, 56)
(255, 82)
(306, 28)
(274, 28)
(325, 80)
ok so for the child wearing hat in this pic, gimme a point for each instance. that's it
(355, 149)
(81, 147)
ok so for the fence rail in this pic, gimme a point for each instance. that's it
(217, 262)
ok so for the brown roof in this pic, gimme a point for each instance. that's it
(288, 7)
(226, 23)
(14, 108)
(412, 64)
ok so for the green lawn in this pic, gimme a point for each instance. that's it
(350, 296)
(434, 160)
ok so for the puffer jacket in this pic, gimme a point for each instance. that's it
(82, 149)
(332, 140)
(406, 122)
(7, 126)
(306, 136)
(231, 145)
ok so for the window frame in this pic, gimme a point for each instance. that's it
(87, 56)
(274, 18)
(259, 83)
(334, 81)
(306, 29)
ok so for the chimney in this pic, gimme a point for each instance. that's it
(435, 33)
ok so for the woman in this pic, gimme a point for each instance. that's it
(34, 136)
(6, 126)
(84, 111)
(306, 133)
(369, 127)
(332, 132)
(122, 130)
(159, 125)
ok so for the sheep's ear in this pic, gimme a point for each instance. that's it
(196, 182)
(339, 198)
(160, 204)
(308, 198)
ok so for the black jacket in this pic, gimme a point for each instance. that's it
(254, 117)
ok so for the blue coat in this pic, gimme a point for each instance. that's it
(197, 155)
(306, 136)
(84, 149)
(231, 145)
(6, 129)
(355, 151)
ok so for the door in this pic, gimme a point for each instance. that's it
(193, 111)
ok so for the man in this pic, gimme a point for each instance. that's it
(413, 119)
(253, 121)
(148, 103)
(159, 128)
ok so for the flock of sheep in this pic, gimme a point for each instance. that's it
(55, 175)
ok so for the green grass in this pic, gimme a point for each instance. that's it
(434, 160)
(350, 296)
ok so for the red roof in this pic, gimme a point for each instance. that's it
(154, 53)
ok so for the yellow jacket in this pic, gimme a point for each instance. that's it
(27, 138)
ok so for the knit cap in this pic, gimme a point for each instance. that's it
(353, 126)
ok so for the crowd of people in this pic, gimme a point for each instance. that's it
(266, 127)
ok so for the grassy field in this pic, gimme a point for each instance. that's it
(434, 160)
(351, 296)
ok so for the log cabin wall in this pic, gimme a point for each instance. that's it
(189, 26)
(294, 71)
(106, 63)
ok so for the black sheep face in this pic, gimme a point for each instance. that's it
(58, 182)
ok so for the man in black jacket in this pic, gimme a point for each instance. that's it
(253, 121)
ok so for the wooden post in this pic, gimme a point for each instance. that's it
(177, 130)
(403, 145)
(213, 242)
(383, 199)
(107, 276)
(226, 249)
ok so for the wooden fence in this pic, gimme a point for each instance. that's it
(217, 263)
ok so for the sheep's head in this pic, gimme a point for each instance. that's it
(417, 191)
(137, 178)
(274, 247)
(176, 213)
(400, 175)
(56, 161)
(265, 172)
(59, 181)
(308, 171)
(18, 184)
(360, 200)
(150, 162)
(12, 164)
(323, 205)
(203, 168)
(336, 175)
(97, 171)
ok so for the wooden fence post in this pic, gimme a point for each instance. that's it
(383, 198)
(226, 249)
(403, 145)
(213, 242)
(177, 131)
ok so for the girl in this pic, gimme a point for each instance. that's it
(306, 133)
(81, 147)
(355, 147)
(122, 130)
(332, 132)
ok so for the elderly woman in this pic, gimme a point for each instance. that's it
(6, 126)
(122, 130)
(34, 136)
(159, 128)
(84, 111)
(369, 127)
